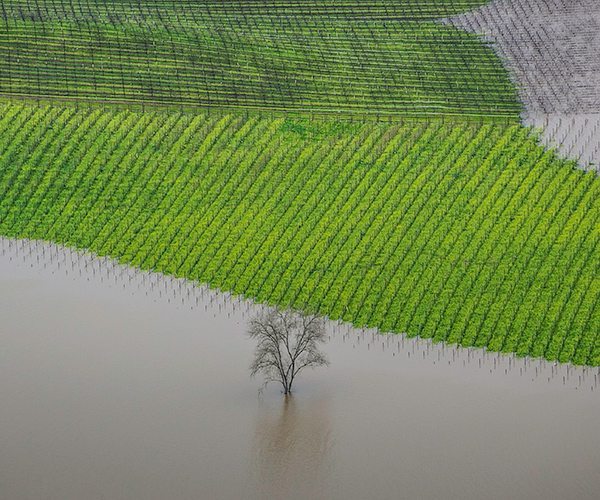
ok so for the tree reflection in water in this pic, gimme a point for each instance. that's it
(292, 447)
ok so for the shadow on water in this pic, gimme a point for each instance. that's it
(122, 384)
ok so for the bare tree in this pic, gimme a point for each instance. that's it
(287, 343)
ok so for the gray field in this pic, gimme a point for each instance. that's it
(552, 49)
(574, 136)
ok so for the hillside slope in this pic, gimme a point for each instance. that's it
(343, 58)
(461, 232)
(358, 159)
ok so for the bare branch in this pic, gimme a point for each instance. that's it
(287, 343)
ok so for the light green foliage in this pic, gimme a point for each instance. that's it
(466, 232)
(377, 58)
(446, 221)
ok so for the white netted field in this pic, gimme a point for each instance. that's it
(552, 49)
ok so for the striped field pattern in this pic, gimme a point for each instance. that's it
(551, 50)
(467, 232)
(414, 10)
(374, 59)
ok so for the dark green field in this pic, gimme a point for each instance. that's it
(352, 158)
(363, 59)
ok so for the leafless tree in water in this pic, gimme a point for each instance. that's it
(288, 342)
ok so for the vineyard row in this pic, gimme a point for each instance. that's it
(469, 233)
(180, 54)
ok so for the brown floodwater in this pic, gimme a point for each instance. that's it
(117, 384)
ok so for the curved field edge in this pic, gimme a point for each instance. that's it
(559, 84)
(468, 233)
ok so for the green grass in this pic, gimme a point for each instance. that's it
(458, 231)
(373, 59)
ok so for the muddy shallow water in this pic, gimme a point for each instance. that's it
(122, 385)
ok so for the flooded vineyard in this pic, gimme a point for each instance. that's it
(122, 384)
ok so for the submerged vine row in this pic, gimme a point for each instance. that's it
(464, 232)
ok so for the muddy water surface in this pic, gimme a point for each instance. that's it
(119, 385)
